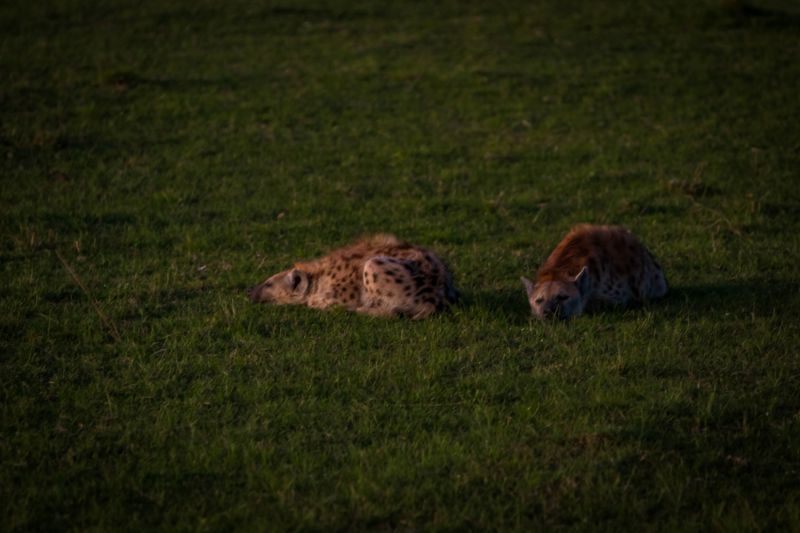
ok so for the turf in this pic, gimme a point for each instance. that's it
(174, 152)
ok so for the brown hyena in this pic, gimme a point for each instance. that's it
(380, 276)
(592, 266)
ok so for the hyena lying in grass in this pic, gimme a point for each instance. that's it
(380, 276)
(591, 267)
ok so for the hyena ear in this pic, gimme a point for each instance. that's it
(582, 281)
(528, 285)
(299, 281)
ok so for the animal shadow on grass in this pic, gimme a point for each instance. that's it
(513, 305)
(517, 310)
(741, 14)
(763, 298)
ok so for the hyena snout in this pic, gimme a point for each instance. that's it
(559, 310)
(551, 308)
(253, 292)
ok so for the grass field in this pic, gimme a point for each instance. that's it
(174, 152)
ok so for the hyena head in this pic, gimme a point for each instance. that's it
(287, 287)
(560, 298)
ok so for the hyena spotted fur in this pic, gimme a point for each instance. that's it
(591, 267)
(379, 276)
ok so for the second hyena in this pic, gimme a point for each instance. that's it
(592, 266)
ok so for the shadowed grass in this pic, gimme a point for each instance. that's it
(144, 141)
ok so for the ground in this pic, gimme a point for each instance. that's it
(175, 152)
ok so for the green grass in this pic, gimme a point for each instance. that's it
(144, 140)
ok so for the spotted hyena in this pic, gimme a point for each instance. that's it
(380, 276)
(593, 266)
